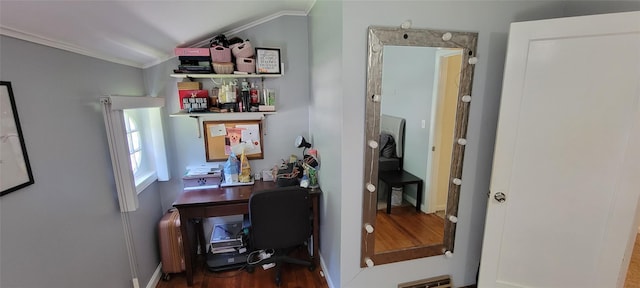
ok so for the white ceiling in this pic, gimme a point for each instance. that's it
(135, 32)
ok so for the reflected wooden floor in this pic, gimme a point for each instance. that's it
(633, 273)
(405, 228)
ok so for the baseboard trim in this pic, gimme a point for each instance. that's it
(324, 272)
(155, 278)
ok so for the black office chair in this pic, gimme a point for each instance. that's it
(280, 221)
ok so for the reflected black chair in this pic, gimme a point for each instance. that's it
(281, 220)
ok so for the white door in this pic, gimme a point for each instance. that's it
(567, 155)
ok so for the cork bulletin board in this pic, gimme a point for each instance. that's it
(223, 137)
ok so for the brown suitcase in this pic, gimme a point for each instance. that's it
(171, 252)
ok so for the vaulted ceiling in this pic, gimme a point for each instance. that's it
(133, 32)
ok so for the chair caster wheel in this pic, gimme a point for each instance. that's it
(278, 281)
(166, 277)
(312, 267)
(250, 269)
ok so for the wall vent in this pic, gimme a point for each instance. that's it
(435, 282)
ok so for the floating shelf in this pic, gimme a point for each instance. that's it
(225, 76)
(224, 116)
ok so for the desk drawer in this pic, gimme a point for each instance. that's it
(226, 210)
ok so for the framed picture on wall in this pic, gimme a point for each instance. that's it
(14, 163)
(268, 61)
(225, 137)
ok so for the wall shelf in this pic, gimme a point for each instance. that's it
(224, 76)
(224, 116)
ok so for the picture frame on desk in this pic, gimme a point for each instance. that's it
(268, 61)
(14, 162)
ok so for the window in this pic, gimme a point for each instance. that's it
(140, 142)
(136, 145)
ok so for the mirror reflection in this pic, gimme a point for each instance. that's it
(417, 105)
(418, 108)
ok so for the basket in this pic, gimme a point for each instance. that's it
(243, 50)
(223, 67)
(220, 54)
(246, 65)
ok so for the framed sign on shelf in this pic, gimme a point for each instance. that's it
(268, 61)
(14, 163)
(223, 137)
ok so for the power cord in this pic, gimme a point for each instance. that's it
(261, 255)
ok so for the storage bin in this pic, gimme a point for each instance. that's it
(223, 67)
(396, 196)
(191, 51)
(188, 85)
(246, 65)
(242, 50)
(220, 54)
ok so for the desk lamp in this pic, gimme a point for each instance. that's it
(301, 142)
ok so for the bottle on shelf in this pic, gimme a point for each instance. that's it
(245, 96)
(255, 94)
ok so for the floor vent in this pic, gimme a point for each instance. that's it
(435, 282)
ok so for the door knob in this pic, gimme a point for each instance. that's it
(500, 197)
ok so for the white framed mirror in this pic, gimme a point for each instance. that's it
(416, 112)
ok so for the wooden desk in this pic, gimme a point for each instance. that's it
(204, 203)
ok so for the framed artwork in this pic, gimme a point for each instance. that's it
(223, 137)
(268, 61)
(14, 163)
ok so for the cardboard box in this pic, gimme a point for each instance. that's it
(191, 51)
(191, 94)
(188, 85)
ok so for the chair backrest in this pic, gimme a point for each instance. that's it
(280, 218)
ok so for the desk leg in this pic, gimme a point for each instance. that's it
(186, 244)
(316, 231)
(200, 233)
(419, 196)
(388, 188)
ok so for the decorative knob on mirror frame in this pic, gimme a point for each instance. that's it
(369, 262)
(371, 187)
(448, 254)
(368, 228)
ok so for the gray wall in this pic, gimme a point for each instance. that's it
(65, 230)
(491, 19)
(289, 33)
(326, 121)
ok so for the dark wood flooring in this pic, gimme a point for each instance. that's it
(293, 276)
(405, 227)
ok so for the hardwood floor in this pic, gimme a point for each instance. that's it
(293, 276)
(405, 227)
(633, 273)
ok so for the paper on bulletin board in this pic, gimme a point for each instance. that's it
(251, 138)
(217, 130)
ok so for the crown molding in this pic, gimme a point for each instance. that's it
(38, 39)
